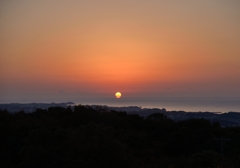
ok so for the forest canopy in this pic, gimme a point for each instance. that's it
(86, 137)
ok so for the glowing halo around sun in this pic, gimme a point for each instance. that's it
(118, 95)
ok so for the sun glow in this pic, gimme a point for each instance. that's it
(118, 95)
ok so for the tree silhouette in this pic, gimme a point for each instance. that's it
(85, 137)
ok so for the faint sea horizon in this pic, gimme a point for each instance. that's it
(187, 104)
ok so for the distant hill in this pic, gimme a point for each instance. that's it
(30, 107)
(230, 119)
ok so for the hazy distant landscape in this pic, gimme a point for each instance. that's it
(188, 104)
(227, 119)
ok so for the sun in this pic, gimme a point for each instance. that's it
(118, 95)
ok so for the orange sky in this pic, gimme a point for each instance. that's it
(141, 48)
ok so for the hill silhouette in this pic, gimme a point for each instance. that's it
(86, 137)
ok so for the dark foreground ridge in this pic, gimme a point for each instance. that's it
(86, 136)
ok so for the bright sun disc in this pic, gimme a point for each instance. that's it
(118, 95)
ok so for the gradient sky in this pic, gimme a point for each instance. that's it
(52, 49)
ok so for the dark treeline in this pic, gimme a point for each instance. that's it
(84, 137)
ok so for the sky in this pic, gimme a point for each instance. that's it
(53, 50)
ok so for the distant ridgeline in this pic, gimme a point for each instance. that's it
(31, 107)
(230, 119)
